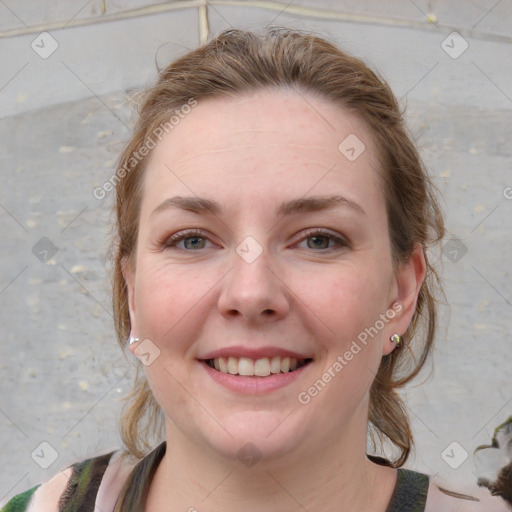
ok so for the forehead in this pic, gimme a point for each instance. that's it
(272, 141)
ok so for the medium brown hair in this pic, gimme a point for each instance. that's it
(237, 61)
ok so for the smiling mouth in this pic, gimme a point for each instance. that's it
(263, 367)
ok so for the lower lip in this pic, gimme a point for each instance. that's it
(254, 385)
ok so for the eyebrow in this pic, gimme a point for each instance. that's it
(301, 205)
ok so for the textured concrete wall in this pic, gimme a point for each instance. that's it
(64, 118)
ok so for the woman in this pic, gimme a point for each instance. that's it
(271, 276)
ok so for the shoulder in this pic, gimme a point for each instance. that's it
(443, 498)
(44, 497)
(92, 484)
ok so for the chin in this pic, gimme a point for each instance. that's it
(263, 435)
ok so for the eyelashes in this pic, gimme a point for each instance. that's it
(195, 240)
(192, 234)
(319, 233)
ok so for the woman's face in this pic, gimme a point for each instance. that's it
(263, 245)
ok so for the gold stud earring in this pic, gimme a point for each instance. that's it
(396, 338)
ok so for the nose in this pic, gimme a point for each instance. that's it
(254, 290)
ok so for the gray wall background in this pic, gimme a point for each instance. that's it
(66, 70)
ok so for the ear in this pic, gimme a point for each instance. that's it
(408, 281)
(128, 269)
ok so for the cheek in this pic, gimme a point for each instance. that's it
(353, 351)
(351, 305)
(166, 300)
(350, 300)
(168, 306)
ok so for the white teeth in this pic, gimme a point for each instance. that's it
(262, 367)
(232, 365)
(275, 365)
(245, 366)
(250, 367)
(223, 366)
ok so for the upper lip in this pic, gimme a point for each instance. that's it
(253, 353)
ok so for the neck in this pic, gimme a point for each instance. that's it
(336, 476)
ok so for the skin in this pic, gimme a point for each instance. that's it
(250, 153)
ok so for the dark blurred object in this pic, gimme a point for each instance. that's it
(494, 463)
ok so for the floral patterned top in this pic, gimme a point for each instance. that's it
(108, 484)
